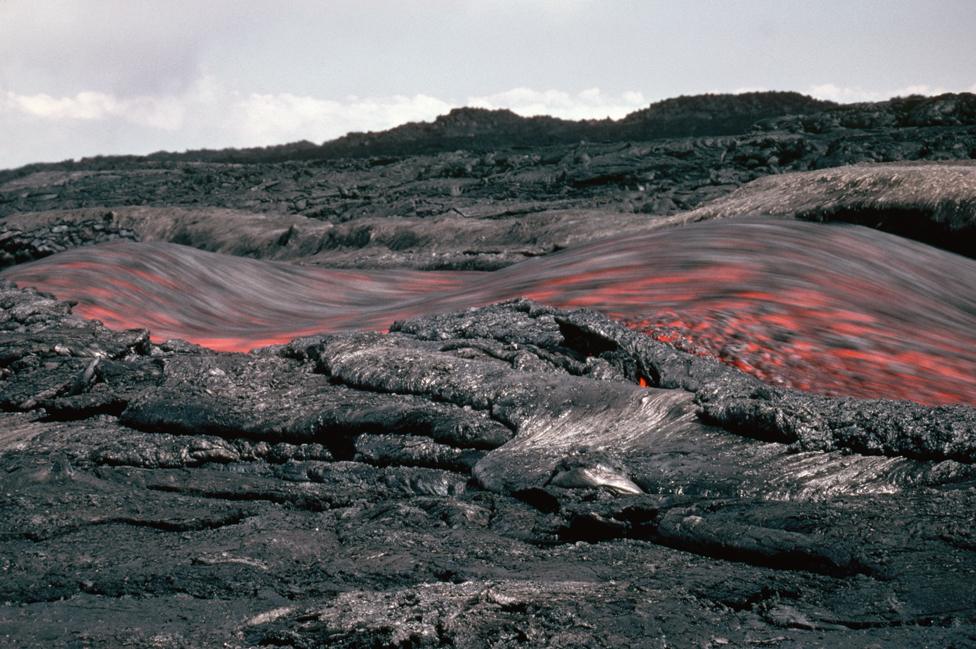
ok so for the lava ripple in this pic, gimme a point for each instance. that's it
(833, 309)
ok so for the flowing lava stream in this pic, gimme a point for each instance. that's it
(840, 310)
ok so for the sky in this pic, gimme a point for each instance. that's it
(88, 77)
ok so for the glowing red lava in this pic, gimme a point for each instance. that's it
(832, 309)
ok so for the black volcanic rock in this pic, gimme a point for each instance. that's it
(474, 128)
(934, 203)
(461, 128)
(900, 112)
(502, 205)
(37, 238)
(482, 130)
(714, 114)
(513, 475)
(330, 492)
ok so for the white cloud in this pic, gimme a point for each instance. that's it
(850, 94)
(274, 118)
(230, 118)
(591, 103)
(208, 114)
(156, 112)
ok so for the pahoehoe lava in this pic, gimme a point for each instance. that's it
(834, 309)
(481, 383)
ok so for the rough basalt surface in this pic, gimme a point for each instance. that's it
(934, 203)
(514, 475)
(490, 477)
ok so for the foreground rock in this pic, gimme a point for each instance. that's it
(491, 477)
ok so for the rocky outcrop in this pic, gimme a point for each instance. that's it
(916, 110)
(29, 239)
(490, 203)
(934, 203)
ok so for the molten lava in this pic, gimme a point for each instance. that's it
(838, 310)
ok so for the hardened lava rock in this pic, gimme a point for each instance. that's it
(491, 477)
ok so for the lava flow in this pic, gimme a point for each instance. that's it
(839, 310)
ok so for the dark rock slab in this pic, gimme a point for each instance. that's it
(930, 202)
